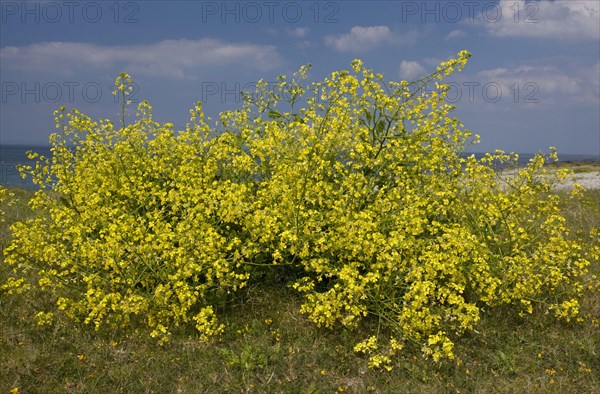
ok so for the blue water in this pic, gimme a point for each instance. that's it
(13, 155)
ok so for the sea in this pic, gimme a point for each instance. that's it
(11, 156)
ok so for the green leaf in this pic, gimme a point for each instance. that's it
(65, 202)
(380, 126)
(274, 114)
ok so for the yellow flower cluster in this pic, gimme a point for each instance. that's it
(357, 185)
(6, 197)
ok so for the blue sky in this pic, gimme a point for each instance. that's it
(533, 80)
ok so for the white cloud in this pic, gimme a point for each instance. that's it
(548, 78)
(565, 20)
(455, 35)
(169, 58)
(541, 86)
(595, 78)
(364, 38)
(435, 61)
(298, 32)
(304, 44)
(409, 70)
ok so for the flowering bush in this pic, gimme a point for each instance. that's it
(358, 186)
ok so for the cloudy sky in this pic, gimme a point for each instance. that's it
(533, 80)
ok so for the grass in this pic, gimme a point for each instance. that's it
(269, 347)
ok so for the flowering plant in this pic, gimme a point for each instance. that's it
(358, 186)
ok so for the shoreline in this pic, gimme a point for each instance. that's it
(586, 174)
